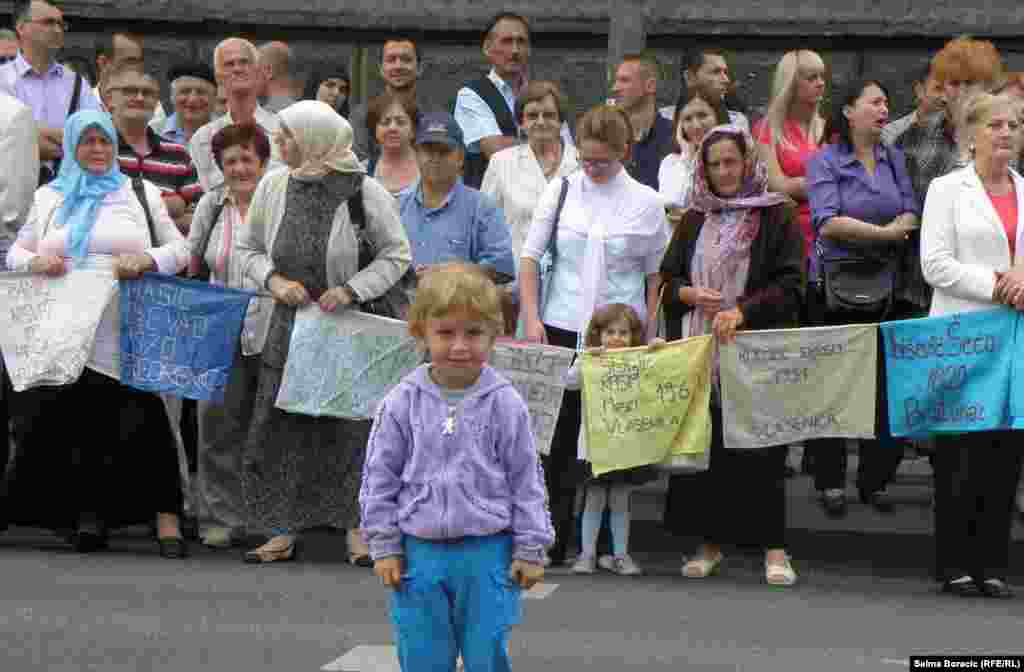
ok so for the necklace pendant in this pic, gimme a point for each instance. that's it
(449, 423)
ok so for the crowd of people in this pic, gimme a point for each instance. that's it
(576, 232)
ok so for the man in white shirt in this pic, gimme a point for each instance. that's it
(236, 65)
(706, 67)
(20, 148)
(485, 107)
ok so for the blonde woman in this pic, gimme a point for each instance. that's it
(973, 224)
(792, 131)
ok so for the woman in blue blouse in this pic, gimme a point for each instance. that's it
(864, 211)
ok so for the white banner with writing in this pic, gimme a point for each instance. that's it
(788, 385)
(538, 373)
(50, 323)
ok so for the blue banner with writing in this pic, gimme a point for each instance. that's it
(179, 336)
(950, 374)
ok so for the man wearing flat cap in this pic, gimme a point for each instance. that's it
(444, 219)
(193, 90)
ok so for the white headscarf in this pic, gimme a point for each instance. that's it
(324, 139)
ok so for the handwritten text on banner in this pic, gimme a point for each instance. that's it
(179, 336)
(636, 403)
(50, 323)
(342, 364)
(538, 373)
(788, 385)
(950, 373)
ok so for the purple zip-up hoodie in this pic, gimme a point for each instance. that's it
(442, 470)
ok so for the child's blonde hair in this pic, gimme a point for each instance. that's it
(610, 314)
(453, 288)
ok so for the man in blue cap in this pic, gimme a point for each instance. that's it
(446, 220)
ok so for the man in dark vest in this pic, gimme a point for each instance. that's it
(484, 108)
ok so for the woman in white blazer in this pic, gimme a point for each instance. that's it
(971, 227)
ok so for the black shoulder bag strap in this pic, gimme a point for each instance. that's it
(476, 164)
(46, 172)
(140, 192)
(490, 94)
(76, 95)
(204, 269)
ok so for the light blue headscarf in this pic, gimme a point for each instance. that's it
(84, 191)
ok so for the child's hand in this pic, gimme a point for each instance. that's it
(655, 343)
(596, 352)
(389, 570)
(526, 574)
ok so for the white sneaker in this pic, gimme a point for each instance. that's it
(623, 566)
(584, 565)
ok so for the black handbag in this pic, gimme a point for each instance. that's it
(397, 300)
(858, 285)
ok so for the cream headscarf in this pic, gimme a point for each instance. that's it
(324, 139)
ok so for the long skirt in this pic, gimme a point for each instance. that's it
(223, 429)
(740, 500)
(95, 447)
(301, 471)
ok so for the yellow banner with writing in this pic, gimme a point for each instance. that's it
(643, 406)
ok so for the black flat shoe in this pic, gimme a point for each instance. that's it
(996, 588)
(880, 500)
(963, 587)
(172, 548)
(86, 541)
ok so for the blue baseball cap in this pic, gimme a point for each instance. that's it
(439, 127)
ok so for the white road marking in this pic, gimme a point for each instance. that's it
(896, 661)
(540, 591)
(366, 659)
(369, 659)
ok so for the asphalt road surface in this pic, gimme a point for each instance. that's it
(128, 610)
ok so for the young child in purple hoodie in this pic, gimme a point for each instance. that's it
(453, 502)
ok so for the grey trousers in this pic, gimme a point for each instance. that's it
(222, 435)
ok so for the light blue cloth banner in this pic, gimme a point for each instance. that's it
(342, 364)
(950, 374)
(179, 336)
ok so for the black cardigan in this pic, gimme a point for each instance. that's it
(773, 294)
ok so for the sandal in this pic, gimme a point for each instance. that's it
(702, 567)
(172, 548)
(779, 573)
(357, 556)
(263, 554)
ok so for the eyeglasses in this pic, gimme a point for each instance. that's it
(53, 23)
(133, 91)
(596, 164)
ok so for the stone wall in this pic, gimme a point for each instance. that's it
(886, 37)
